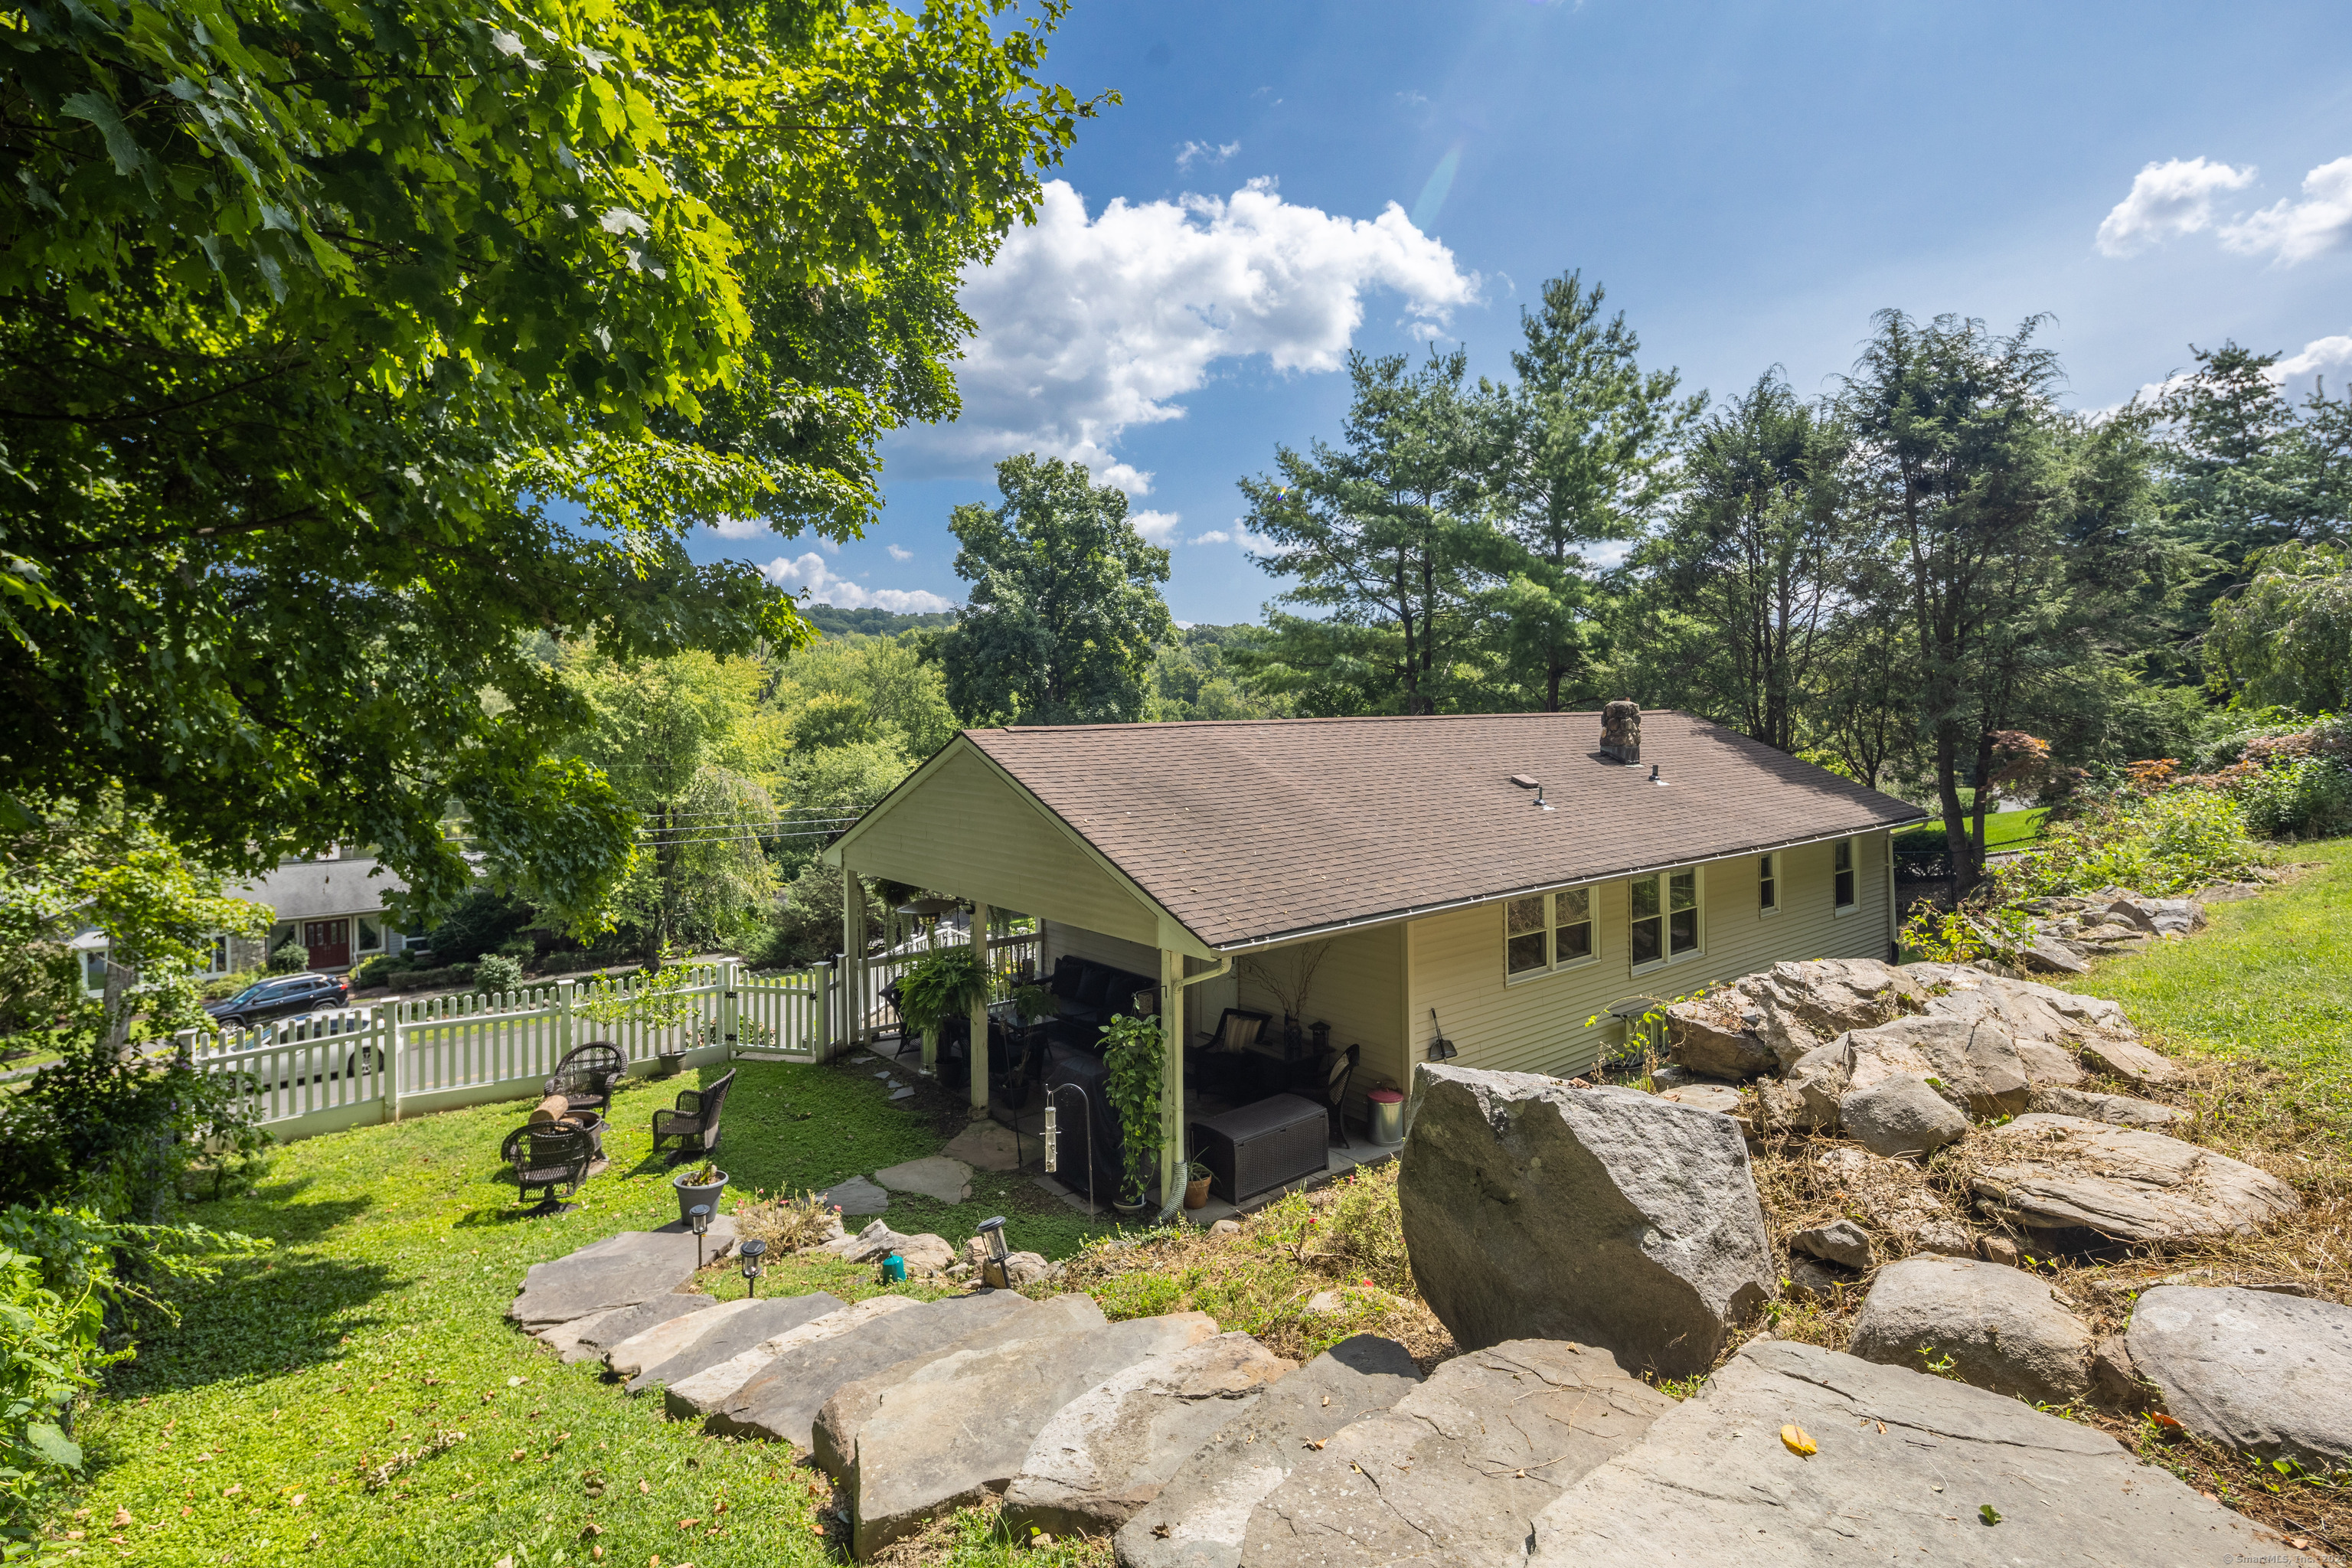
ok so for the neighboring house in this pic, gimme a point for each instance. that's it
(1498, 875)
(333, 905)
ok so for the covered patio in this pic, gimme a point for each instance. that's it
(965, 827)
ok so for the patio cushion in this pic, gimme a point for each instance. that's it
(1094, 985)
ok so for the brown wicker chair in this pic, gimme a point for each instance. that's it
(697, 1116)
(1335, 1090)
(586, 1075)
(553, 1156)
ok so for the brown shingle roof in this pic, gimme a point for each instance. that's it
(1245, 831)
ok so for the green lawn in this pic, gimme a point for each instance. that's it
(2270, 978)
(2003, 830)
(244, 1435)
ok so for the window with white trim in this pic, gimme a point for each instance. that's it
(1665, 917)
(1843, 877)
(1545, 931)
(1767, 883)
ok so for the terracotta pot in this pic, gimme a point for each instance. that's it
(1196, 1192)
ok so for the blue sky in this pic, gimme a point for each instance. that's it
(1749, 182)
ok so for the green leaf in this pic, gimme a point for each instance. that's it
(53, 1444)
(120, 143)
(1987, 1512)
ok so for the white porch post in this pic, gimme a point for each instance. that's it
(853, 956)
(977, 1055)
(1171, 1082)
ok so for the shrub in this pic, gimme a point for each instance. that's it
(476, 924)
(498, 971)
(2159, 843)
(289, 957)
(786, 1224)
(2309, 797)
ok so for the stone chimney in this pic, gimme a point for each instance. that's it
(1621, 732)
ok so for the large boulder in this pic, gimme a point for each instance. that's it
(2002, 1328)
(1974, 1062)
(1200, 1516)
(1459, 1468)
(2265, 1373)
(695, 1397)
(1901, 1117)
(781, 1401)
(1535, 1210)
(832, 1437)
(1107, 1452)
(2062, 1174)
(1766, 1021)
(1904, 1465)
(730, 1333)
(962, 1430)
(619, 1271)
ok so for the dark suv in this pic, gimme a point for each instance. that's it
(279, 996)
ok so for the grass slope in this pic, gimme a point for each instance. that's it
(2003, 830)
(2270, 980)
(376, 1325)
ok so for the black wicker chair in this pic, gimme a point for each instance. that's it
(586, 1075)
(554, 1157)
(696, 1117)
(1335, 1091)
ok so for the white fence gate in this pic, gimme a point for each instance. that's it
(401, 1058)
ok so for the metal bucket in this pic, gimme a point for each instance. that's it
(1385, 1109)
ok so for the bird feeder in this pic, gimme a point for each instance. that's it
(698, 1218)
(991, 1267)
(752, 1250)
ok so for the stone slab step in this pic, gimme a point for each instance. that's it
(619, 1271)
(729, 1334)
(1110, 1450)
(1458, 1469)
(1199, 1518)
(782, 1402)
(1904, 1463)
(961, 1430)
(666, 1338)
(592, 1337)
(693, 1398)
(832, 1437)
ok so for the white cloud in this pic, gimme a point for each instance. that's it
(825, 586)
(2297, 231)
(1214, 155)
(899, 553)
(1157, 527)
(1091, 325)
(2174, 197)
(738, 527)
(2320, 354)
(1215, 536)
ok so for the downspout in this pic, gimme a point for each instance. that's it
(1171, 1193)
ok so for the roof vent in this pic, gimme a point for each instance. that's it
(1524, 782)
(1654, 774)
(1621, 732)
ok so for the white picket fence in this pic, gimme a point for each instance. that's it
(401, 1058)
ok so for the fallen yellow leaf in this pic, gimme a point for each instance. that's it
(1798, 1442)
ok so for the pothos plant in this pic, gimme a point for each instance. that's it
(1133, 1050)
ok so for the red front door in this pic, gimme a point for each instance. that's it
(329, 942)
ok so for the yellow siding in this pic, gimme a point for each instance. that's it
(969, 832)
(1537, 1025)
(1359, 990)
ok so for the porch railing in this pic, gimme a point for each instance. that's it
(1013, 954)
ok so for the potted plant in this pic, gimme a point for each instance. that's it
(1133, 1049)
(939, 985)
(701, 1184)
(1196, 1186)
(1033, 1004)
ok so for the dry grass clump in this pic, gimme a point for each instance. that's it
(1306, 1272)
(785, 1222)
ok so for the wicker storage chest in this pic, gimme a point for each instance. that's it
(1262, 1145)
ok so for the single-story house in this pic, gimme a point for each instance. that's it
(333, 905)
(1507, 879)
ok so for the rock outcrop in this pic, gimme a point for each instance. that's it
(1764, 1022)
(2119, 1109)
(1109, 1451)
(2000, 1328)
(1907, 1469)
(1200, 1516)
(1535, 1210)
(1456, 1472)
(2265, 1373)
(2062, 1174)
